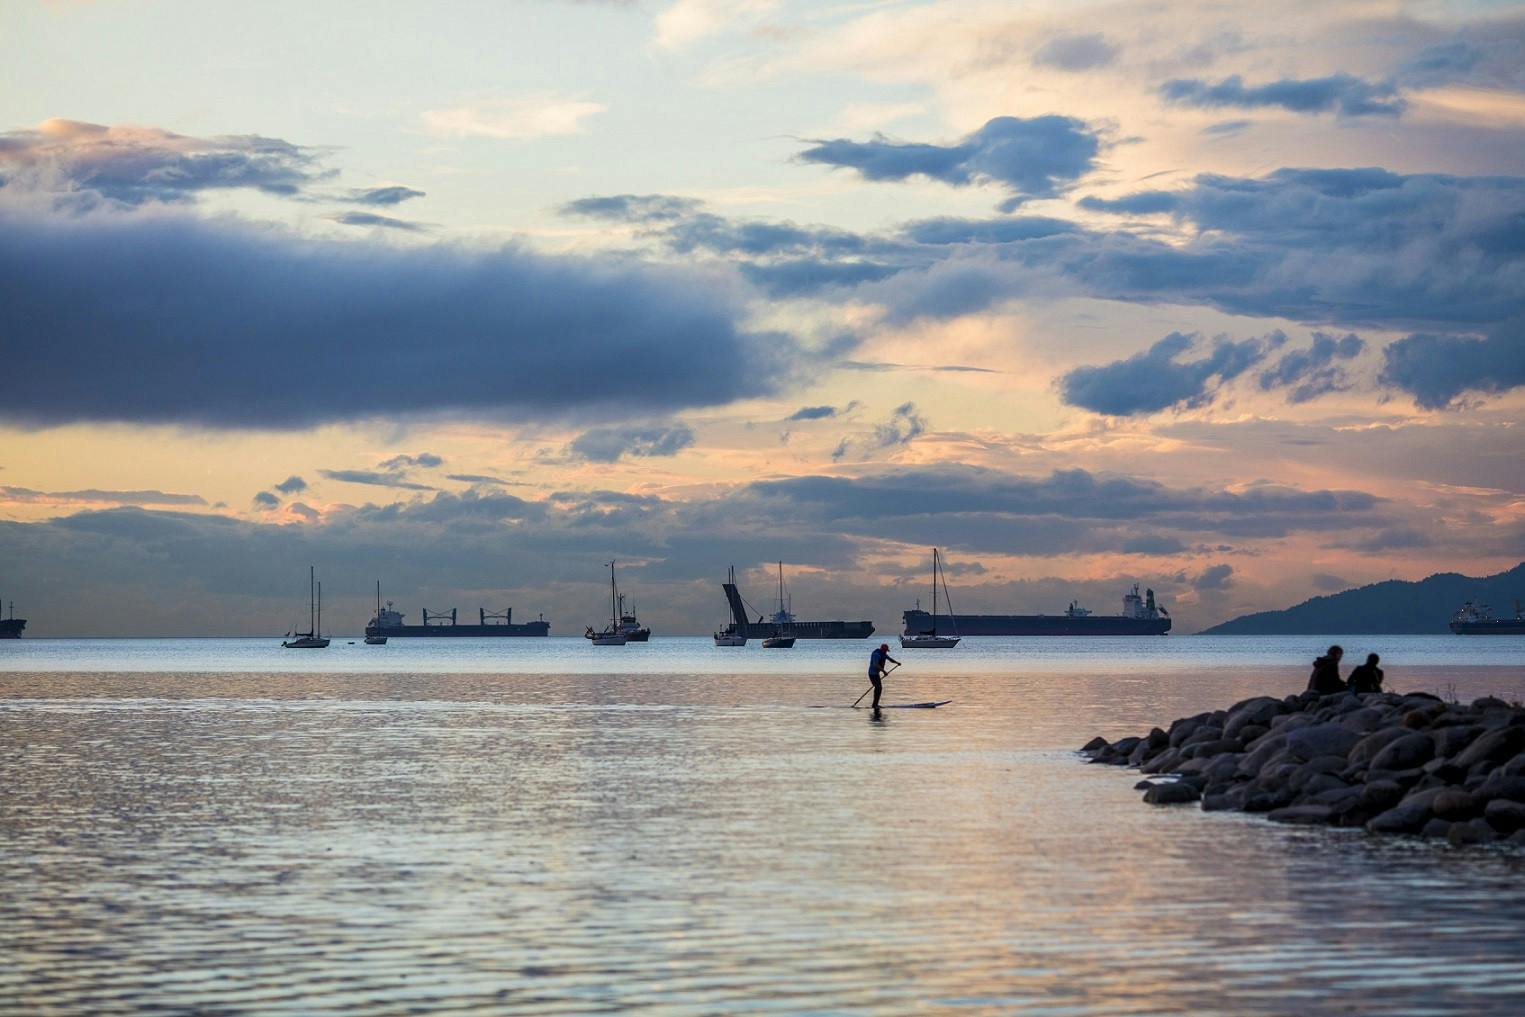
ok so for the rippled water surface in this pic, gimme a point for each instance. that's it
(217, 839)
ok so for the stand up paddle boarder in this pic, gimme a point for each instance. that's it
(876, 662)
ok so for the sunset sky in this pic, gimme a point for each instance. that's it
(1224, 299)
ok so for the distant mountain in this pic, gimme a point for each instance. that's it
(1394, 607)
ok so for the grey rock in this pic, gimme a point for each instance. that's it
(1303, 815)
(1172, 794)
(1504, 815)
(1219, 802)
(1494, 747)
(1165, 762)
(1158, 739)
(1367, 748)
(1123, 746)
(1321, 782)
(1473, 831)
(1143, 785)
(1405, 753)
(1454, 804)
(1250, 732)
(1515, 767)
(1365, 720)
(1256, 712)
(1095, 743)
(1435, 828)
(1185, 727)
(1204, 733)
(1404, 817)
(1501, 785)
(1215, 747)
(1451, 740)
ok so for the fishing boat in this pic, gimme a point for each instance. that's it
(783, 636)
(634, 631)
(312, 639)
(611, 635)
(930, 639)
(376, 638)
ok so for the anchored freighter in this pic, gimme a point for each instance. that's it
(10, 628)
(1141, 617)
(1477, 620)
(442, 623)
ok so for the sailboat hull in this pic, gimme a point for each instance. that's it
(306, 643)
(928, 642)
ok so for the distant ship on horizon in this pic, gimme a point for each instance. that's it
(1141, 617)
(1477, 620)
(10, 628)
(388, 622)
(782, 624)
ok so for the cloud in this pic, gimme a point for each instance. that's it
(372, 219)
(480, 478)
(265, 499)
(26, 494)
(291, 485)
(632, 207)
(423, 460)
(684, 22)
(1081, 52)
(1311, 373)
(85, 164)
(392, 194)
(812, 413)
(1156, 379)
(170, 319)
(374, 478)
(1214, 577)
(517, 119)
(904, 425)
(608, 444)
(1032, 158)
(1437, 370)
(1344, 94)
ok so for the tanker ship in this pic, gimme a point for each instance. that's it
(783, 622)
(10, 628)
(388, 622)
(1477, 620)
(1141, 617)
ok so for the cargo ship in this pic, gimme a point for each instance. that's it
(1141, 617)
(388, 622)
(10, 628)
(783, 622)
(1477, 620)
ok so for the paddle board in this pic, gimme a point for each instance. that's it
(908, 706)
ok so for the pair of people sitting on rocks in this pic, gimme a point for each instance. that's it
(1326, 680)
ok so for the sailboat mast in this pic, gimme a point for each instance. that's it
(318, 630)
(312, 598)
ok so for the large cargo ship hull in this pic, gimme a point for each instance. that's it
(1503, 627)
(534, 628)
(813, 629)
(1035, 625)
(10, 628)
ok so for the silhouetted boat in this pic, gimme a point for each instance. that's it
(10, 628)
(929, 639)
(1477, 620)
(1141, 617)
(761, 629)
(375, 638)
(312, 639)
(731, 635)
(611, 635)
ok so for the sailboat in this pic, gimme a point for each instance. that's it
(931, 640)
(735, 633)
(311, 639)
(783, 637)
(376, 638)
(612, 635)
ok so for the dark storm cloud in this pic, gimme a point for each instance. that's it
(26, 494)
(1344, 94)
(1437, 370)
(373, 478)
(632, 207)
(136, 165)
(372, 219)
(1157, 379)
(393, 195)
(812, 413)
(291, 485)
(1033, 158)
(1214, 577)
(1310, 373)
(169, 319)
(266, 499)
(1076, 52)
(608, 444)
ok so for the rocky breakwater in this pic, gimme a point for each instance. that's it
(1391, 763)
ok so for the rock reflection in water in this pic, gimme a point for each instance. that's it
(537, 845)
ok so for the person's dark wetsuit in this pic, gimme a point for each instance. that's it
(1367, 677)
(1325, 679)
(876, 662)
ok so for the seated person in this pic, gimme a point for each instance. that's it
(1325, 679)
(1367, 677)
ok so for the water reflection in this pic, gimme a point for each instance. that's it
(692, 845)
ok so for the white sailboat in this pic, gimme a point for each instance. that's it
(376, 638)
(312, 639)
(783, 637)
(931, 640)
(612, 635)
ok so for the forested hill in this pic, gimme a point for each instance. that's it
(1391, 607)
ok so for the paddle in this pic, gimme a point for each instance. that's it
(871, 688)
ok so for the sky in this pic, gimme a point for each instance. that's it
(1224, 299)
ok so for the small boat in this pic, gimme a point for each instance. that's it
(782, 638)
(930, 640)
(612, 635)
(734, 633)
(312, 638)
(630, 626)
(375, 638)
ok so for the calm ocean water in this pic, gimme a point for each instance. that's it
(540, 826)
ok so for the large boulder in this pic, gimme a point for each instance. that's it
(1257, 712)
(1401, 818)
(1451, 740)
(1365, 720)
(1472, 831)
(1328, 739)
(1215, 747)
(1367, 748)
(1494, 747)
(1501, 785)
(1505, 816)
(1185, 728)
(1453, 804)
(1178, 793)
(1303, 815)
(1405, 753)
